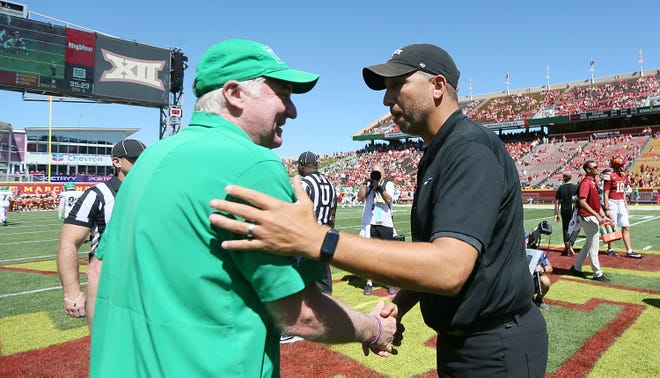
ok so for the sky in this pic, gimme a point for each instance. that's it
(336, 39)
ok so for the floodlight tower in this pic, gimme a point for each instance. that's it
(470, 87)
(170, 117)
(507, 82)
(591, 69)
(547, 76)
(640, 60)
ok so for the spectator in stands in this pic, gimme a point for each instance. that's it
(89, 216)
(377, 220)
(565, 199)
(178, 304)
(616, 205)
(466, 223)
(590, 216)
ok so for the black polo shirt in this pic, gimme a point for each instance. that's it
(567, 195)
(468, 189)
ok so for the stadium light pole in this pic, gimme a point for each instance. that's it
(640, 60)
(50, 133)
(547, 76)
(470, 87)
(507, 82)
(591, 69)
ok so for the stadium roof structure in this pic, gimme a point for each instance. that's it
(384, 129)
(84, 130)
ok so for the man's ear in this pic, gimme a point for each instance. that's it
(233, 94)
(440, 86)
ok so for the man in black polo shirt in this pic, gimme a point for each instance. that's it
(565, 199)
(467, 267)
(89, 217)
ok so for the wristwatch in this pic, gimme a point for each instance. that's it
(329, 245)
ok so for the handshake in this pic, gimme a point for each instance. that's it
(390, 330)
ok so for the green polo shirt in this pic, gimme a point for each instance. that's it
(171, 301)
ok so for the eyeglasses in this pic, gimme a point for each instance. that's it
(593, 167)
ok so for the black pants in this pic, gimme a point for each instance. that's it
(515, 349)
(326, 283)
(381, 232)
(566, 216)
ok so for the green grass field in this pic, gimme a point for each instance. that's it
(599, 330)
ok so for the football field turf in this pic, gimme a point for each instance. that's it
(595, 329)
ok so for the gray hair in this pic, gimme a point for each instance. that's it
(451, 91)
(214, 101)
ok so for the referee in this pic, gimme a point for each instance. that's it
(89, 216)
(324, 197)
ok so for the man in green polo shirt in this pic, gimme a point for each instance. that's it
(170, 300)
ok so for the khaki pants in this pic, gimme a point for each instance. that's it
(590, 248)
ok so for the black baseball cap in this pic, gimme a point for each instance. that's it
(308, 157)
(420, 57)
(128, 148)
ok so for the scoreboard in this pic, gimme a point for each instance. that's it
(39, 57)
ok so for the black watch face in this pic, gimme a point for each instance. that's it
(329, 245)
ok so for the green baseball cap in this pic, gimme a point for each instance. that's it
(240, 59)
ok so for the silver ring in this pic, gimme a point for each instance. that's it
(250, 231)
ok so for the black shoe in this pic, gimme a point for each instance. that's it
(602, 278)
(610, 252)
(634, 255)
(542, 305)
(576, 273)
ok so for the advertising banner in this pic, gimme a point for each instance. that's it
(79, 58)
(131, 71)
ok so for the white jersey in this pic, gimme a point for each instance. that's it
(67, 199)
(5, 197)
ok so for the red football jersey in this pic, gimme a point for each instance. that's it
(617, 186)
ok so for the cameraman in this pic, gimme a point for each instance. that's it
(542, 281)
(377, 220)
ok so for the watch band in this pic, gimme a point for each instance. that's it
(329, 245)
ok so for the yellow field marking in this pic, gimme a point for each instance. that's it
(622, 359)
(580, 291)
(417, 333)
(631, 272)
(34, 331)
(411, 349)
(45, 266)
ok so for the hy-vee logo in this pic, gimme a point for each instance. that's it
(130, 70)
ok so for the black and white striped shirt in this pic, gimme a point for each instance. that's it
(94, 208)
(323, 194)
